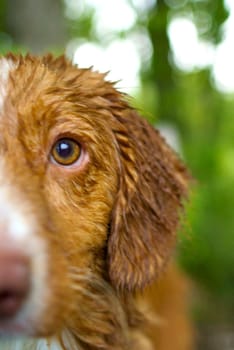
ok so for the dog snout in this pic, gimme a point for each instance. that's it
(14, 281)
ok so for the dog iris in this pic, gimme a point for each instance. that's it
(66, 151)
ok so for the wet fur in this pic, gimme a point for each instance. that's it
(110, 227)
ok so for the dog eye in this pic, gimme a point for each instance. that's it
(66, 151)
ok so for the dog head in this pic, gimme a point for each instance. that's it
(87, 188)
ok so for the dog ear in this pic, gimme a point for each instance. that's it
(153, 183)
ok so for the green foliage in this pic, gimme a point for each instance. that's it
(5, 39)
(208, 15)
(82, 27)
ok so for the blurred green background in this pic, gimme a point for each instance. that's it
(167, 52)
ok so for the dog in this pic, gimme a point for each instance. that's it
(90, 201)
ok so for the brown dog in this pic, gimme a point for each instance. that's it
(90, 197)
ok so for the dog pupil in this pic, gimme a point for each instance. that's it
(64, 149)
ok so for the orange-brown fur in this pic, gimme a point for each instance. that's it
(111, 225)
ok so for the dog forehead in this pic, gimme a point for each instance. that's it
(43, 94)
(33, 75)
(6, 66)
(51, 81)
(21, 82)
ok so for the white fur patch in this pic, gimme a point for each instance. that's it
(21, 344)
(15, 217)
(41, 344)
(19, 232)
(6, 65)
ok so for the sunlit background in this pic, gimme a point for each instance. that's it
(176, 58)
(123, 57)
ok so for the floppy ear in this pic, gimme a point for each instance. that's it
(145, 217)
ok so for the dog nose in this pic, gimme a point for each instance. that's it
(14, 282)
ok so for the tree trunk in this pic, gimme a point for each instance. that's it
(37, 25)
(161, 71)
